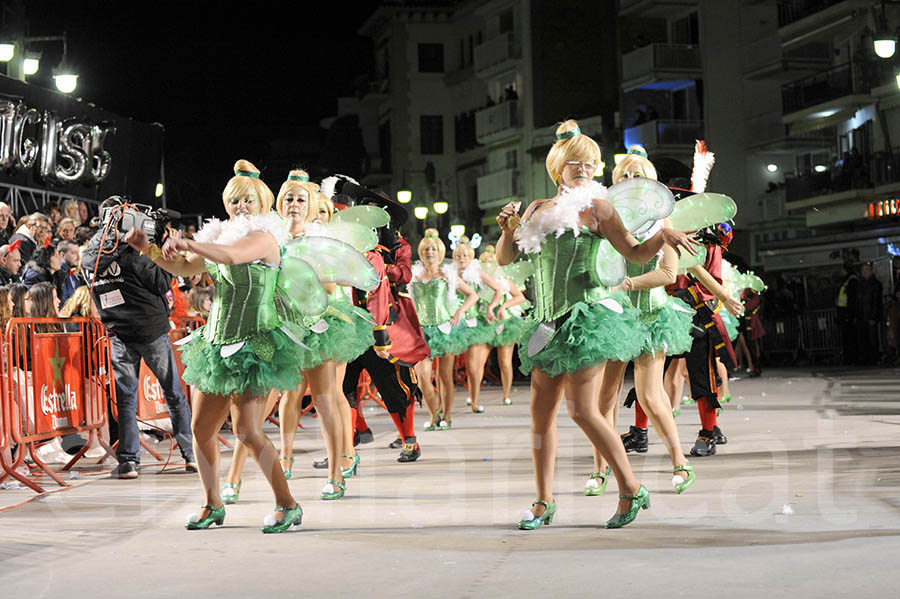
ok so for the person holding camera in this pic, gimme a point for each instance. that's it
(129, 291)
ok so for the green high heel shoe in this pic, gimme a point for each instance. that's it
(434, 424)
(287, 473)
(601, 488)
(231, 498)
(216, 516)
(293, 516)
(726, 398)
(676, 412)
(639, 501)
(478, 410)
(538, 521)
(446, 424)
(351, 471)
(336, 493)
(685, 484)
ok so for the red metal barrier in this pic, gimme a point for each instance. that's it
(57, 374)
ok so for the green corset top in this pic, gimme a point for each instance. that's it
(244, 302)
(563, 274)
(648, 301)
(431, 302)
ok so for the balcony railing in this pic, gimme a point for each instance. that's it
(845, 80)
(660, 57)
(497, 188)
(791, 11)
(665, 133)
(496, 51)
(880, 169)
(767, 54)
(495, 120)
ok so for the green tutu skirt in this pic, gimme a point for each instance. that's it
(481, 334)
(456, 342)
(507, 332)
(731, 323)
(267, 361)
(591, 334)
(670, 331)
(348, 336)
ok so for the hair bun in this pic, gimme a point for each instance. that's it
(245, 165)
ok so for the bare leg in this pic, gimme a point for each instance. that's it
(504, 359)
(288, 418)
(343, 408)
(207, 415)
(447, 388)
(476, 356)
(723, 374)
(610, 384)
(424, 373)
(240, 453)
(648, 384)
(674, 382)
(546, 395)
(321, 383)
(581, 400)
(249, 412)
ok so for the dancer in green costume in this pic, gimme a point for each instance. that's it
(244, 350)
(575, 325)
(433, 290)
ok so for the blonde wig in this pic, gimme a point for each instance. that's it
(636, 163)
(298, 180)
(571, 145)
(246, 181)
(432, 238)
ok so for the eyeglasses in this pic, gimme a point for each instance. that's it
(588, 166)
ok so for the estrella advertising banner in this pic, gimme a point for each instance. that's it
(151, 401)
(58, 381)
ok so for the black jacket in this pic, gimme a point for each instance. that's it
(129, 291)
(26, 249)
(7, 279)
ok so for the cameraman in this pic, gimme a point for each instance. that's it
(130, 294)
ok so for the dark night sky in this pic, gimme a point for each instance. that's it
(223, 81)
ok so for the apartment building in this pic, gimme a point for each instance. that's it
(465, 99)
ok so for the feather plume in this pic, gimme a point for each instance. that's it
(703, 163)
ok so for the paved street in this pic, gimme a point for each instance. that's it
(802, 502)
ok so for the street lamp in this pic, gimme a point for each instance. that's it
(772, 168)
(32, 63)
(66, 81)
(421, 212)
(441, 207)
(7, 51)
(404, 196)
(457, 230)
(885, 41)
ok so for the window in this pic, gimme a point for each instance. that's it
(431, 58)
(431, 128)
(506, 21)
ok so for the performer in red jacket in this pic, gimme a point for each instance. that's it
(399, 342)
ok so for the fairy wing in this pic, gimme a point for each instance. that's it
(609, 265)
(640, 202)
(334, 261)
(368, 216)
(518, 272)
(361, 237)
(299, 289)
(702, 210)
(686, 260)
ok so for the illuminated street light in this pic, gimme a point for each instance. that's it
(421, 212)
(31, 63)
(457, 230)
(441, 207)
(404, 196)
(159, 190)
(772, 168)
(66, 81)
(7, 51)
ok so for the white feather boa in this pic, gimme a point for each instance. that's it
(472, 274)
(418, 271)
(564, 214)
(229, 231)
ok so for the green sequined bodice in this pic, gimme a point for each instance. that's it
(244, 302)
(431, 302)
(647, 301)
(562, 274)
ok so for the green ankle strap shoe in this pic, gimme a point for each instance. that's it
(681, 483)
(351, 471)
(216, 516)
(230, 496)
(287, 473)
(336, 492)
(293, 516)
(593, 488)
(639, 501)
(530, 522)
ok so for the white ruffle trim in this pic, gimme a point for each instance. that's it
(472, 274)
(451, 273)
(229, 231)
(563, 215)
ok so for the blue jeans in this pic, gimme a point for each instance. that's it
(126, 362)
